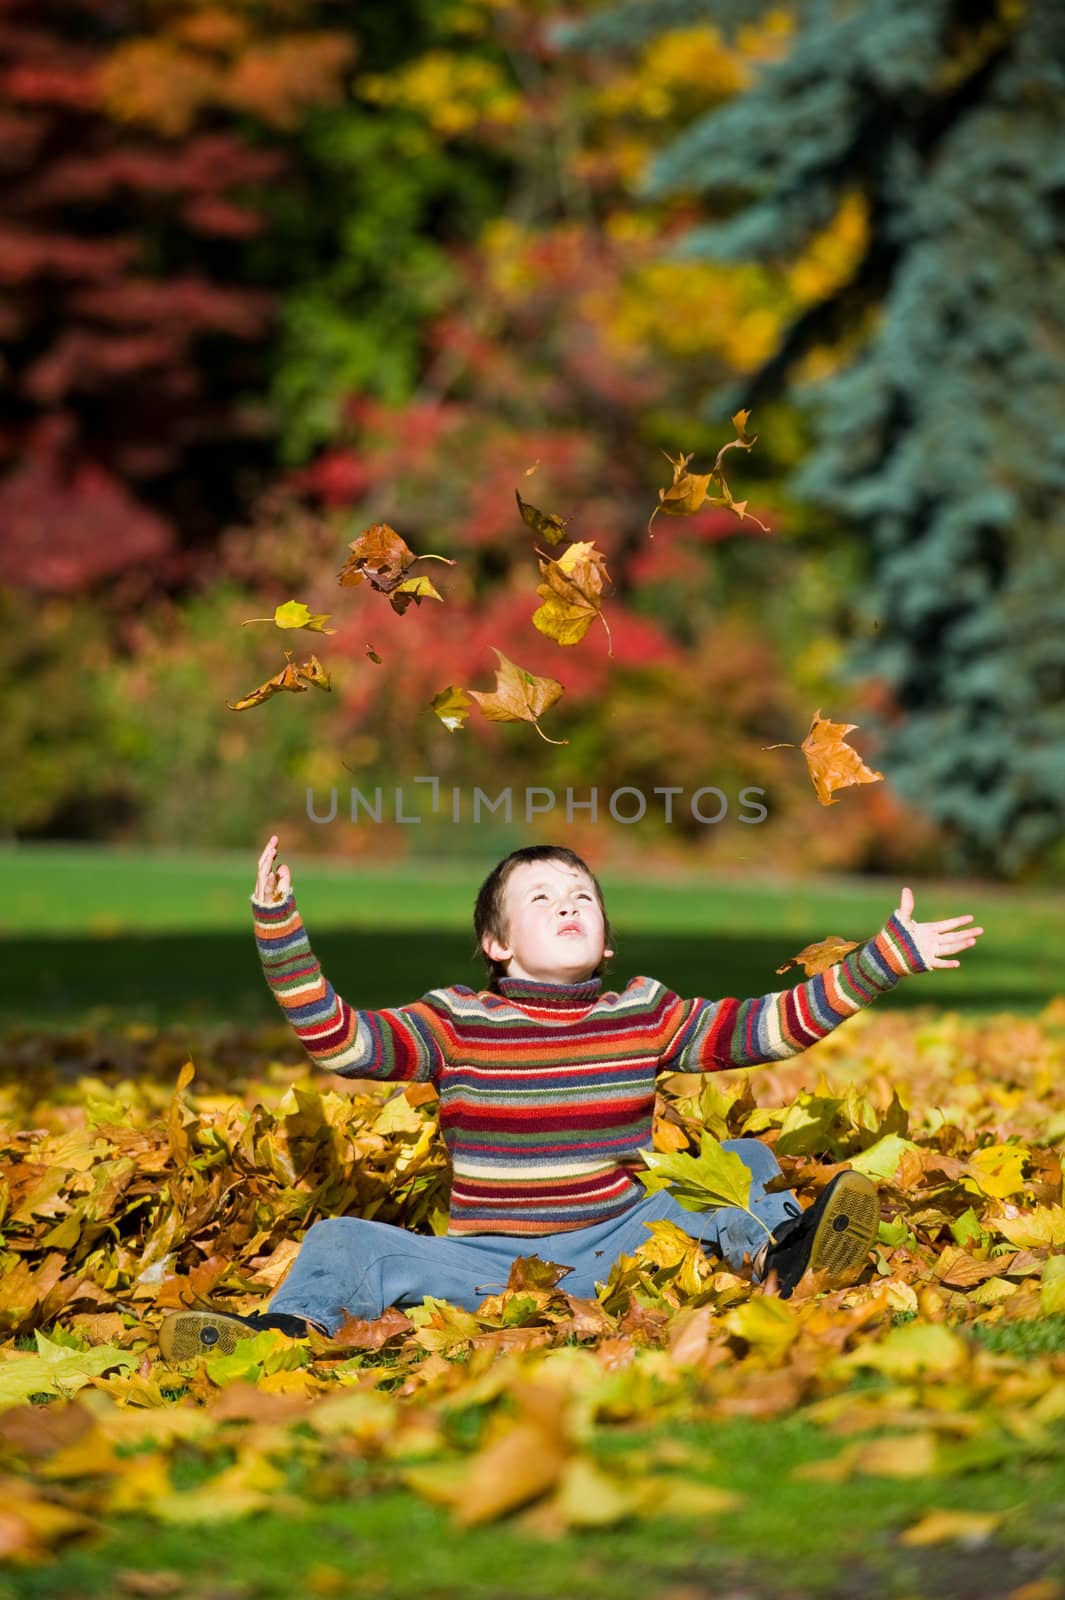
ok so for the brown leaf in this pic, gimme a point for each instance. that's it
(544, 524)
(587, 1320)
(959, 1270)
(519, 696)
(685, 494)
(362, 1334)
(294, 679)
(689, 491)
(381, 558)
(530, 1272)
(572, 592)
(815, 958)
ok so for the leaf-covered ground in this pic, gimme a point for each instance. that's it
(146, 1170)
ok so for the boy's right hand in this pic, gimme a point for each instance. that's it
(268, 886)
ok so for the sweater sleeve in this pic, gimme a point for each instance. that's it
(405, 1042)
(711, 1035)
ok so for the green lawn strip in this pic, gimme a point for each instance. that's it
(788, 1537)
(91, 935)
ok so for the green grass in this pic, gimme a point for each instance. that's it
(789, 1537)
(166, 936)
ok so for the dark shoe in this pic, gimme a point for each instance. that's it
(834, 1236)
(184, 1335)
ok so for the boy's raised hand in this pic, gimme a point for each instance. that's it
(269, 887)
(937, 940)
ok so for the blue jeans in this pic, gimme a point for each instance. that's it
(352, 1267)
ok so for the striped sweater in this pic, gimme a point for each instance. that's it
(547, 1089)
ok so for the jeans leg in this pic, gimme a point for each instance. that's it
(727, 1232)
(352, 1266)
(732, 1233)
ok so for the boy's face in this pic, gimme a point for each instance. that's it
(554, 927)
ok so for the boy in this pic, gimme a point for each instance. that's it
(546, 1091)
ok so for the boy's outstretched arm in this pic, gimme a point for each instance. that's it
(713, 1034)
(400, 1043)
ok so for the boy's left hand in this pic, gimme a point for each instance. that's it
(937, 940)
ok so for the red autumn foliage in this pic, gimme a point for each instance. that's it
(122, 435)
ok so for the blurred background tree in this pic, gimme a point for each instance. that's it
(392, 267)
(934, 369)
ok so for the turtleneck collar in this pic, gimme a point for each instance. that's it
(552, 996)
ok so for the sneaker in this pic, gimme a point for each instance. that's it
(184, 1335)
(834, 1236)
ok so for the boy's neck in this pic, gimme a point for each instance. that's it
(564, 992)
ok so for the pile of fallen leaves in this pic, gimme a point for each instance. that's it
(134, 1182)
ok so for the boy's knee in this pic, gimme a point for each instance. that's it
(756, 1157)
(333, 1233)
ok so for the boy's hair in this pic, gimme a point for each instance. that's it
(488, 911)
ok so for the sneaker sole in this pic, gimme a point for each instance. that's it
(845, 1232)
(188, 1334)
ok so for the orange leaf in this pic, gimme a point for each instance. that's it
(832, 763)
(295, 679)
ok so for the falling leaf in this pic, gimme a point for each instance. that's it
(294, 614)
(382, 558)
(815, 958)
(519, 696)
(420, 588)
(685, 494)
(452, 706)
(572, 592)
(374, 657)
(295, 679)
(689, 491)
(544, 524)
(833, 764)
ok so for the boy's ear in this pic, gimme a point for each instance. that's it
(494, 950)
